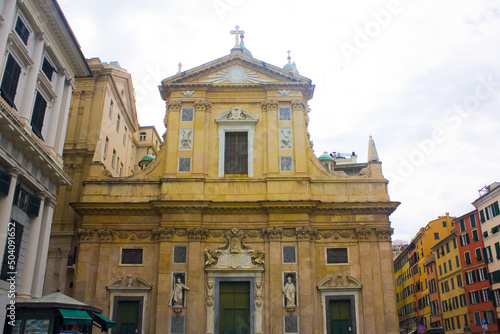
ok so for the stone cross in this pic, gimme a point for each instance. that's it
(289, 55)
(237, 32)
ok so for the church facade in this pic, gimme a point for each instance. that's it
(236, 226)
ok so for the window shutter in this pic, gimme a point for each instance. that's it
(481, 213)
(487, 214)
(468, 239)
(38, 115)
(485, 255)
(496, 210)
(10, 79)
(5, 179)
(34, 206)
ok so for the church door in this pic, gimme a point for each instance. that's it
(340, 316)
(234, 308)
(127, 321)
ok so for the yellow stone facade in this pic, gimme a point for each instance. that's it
(189, 216)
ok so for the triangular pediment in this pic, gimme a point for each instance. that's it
(235, 69)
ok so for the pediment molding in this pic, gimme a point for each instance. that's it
(236, 115)
(129, 283)
(339, 281)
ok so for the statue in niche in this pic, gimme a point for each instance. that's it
(289, 291)
(177, 299)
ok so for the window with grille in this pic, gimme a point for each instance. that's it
(132, 256)
(236, 153)
(336, 255)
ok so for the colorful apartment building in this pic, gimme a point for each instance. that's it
(420, 247)
(475, 273)
(436, 318)
(450, 285)
(404, 290)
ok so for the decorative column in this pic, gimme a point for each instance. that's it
(8, 11)
(26, 108)
(259, 305)
(163, 236)
(200, 138)
(63, 116)
(5, 211)
(299, 109)
(43, 248)
(210, 305)
(271, 160)
(53, 122)
(30, 256)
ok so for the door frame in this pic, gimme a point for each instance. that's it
(118, 299)
(251, 281)
(352, 311)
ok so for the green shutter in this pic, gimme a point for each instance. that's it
(496, 210)
(481, 213)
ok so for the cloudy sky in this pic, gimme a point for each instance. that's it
(421, 77)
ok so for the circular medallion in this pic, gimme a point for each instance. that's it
(236, 74)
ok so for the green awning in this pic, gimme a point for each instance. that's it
(78, 317)
(103, 321)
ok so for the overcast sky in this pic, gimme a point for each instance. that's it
(421, 77)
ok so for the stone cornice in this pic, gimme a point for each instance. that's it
(152, 208)
(201, 234)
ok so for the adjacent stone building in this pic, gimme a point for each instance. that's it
(40, 57)
(236, 225)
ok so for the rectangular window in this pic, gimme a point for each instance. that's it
(180, 254)
(22, 30)
(452, 281)
(5, 179)
(467, 257)
(187, 114)
(236, 153)
(106, 145)
(336, 255)
(474, 297)
(490, 318)
(444, 266)
(497, 296)
(285, 114)
(286, 164)
(436, 236)
(463, 300)
(458, 261)
(113, 157)
(475, 235)
(479, 254)
(464, 239)
(117, 123)
(470, 277)
(477, 318)
(488, 257)
(289, 254)
(449, 264)
(462, 225)
(481, 214)
(497, 249)
(48, 69)
(110, 114)
(454, 243)
(472, 220)
(459, 280)
(10, 80)
(444, 223)
(485, 295)
(131, 256)
(38, 115)
(14, 237)
(184, 165)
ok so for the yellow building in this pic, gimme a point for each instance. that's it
(237, 226)
(451, 292)
(420, 248)
(102, 126)
(404, 291)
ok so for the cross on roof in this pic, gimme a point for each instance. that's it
(289, 55)
(237, 32)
